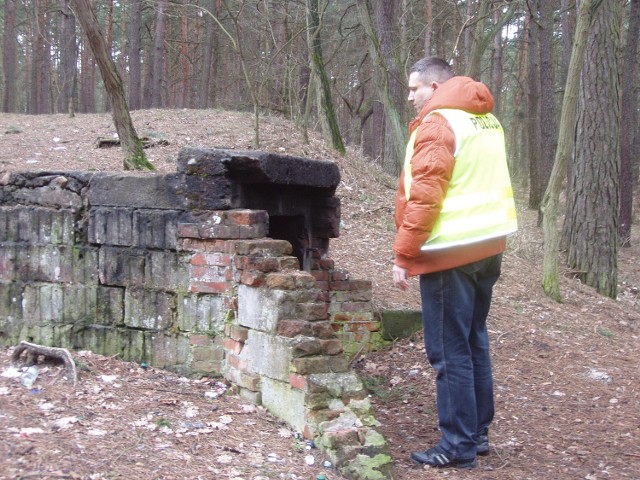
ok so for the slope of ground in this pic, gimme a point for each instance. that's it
(566, 375)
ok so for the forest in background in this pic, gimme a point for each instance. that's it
(559, 69)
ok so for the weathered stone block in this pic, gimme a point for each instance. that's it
(264, 247)
(169, 351)
(267, 355)
(166, 270)
(123, 267)
(155, 228)
(201, 313)
(305, 346)
(42, 303)
(137, 191)
(284, 402)
(79, 303)
(321, 364)
(111, 226)
(260, 309)
(149, 310)
(110, 306)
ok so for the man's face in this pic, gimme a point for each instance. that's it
(419, 91)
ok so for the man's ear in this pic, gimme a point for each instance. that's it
(435, 85)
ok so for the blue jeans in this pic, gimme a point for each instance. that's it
(455, 305)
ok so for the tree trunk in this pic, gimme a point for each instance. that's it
(383, 69)
(134, 56)
(184, 36)
(9, 56)
(210, 39)
(547, 102)
(629, 121)
(534, 152)
(550, 204)
(68, 58)
(158, 54)
(134, 156)
(592, 206)
(496, 69)
(315, 47)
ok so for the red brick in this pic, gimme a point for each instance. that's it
(210, 287)
(320, 275)
(252, 278)
(210, 274)
(293, 328)
(247, 217)
(288, 263)
(280, 281)
(332, 346)
(251, 231)
(236, 332)
(339, 275)
(342, 317)
(213, 259)
(236, 362)
(261, 264)
(352, 306)
(195, 245)
(313, 311)
(362, 326)
(232, 345)
(297, 381)
(189, 230)
(263, 247)
(322, 330)
(201, 340)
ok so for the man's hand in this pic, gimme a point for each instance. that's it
(400, 277)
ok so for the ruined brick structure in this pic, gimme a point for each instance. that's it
(220, 269)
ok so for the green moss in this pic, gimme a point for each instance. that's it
(369, 468)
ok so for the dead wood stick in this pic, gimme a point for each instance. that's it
(33, 351)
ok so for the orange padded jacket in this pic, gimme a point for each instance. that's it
(432, 165)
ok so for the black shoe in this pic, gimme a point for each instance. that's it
(482, 444)
(435, 457)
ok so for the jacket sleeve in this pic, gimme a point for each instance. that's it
(432, 166)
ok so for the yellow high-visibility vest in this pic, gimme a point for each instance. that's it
(479, 202)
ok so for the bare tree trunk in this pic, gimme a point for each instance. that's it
(547, 102)
(629, 122)
(428, 34)
(134, 156)
(9, 56)
(134, 56)
(496, 70)
(385, 84)
(315, 47)
(592, 197)
(109, 39)
(550, 204)
(534, 152)
(205, 68)
(68, 57)
(158, 54)
(184, 35)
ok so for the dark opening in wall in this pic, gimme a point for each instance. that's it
(292, 229)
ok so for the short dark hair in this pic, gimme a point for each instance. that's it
(432, 69)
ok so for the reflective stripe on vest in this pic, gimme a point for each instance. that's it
(479, 202)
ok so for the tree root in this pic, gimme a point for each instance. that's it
(34, 351)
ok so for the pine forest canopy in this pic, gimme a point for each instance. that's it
(337, 65)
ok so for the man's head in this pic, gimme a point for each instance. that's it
(425, 76)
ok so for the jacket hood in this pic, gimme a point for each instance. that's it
(462, 93)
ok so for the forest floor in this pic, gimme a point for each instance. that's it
(567, 375)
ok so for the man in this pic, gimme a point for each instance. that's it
(454, 208)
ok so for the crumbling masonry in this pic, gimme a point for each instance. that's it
(220, 269)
